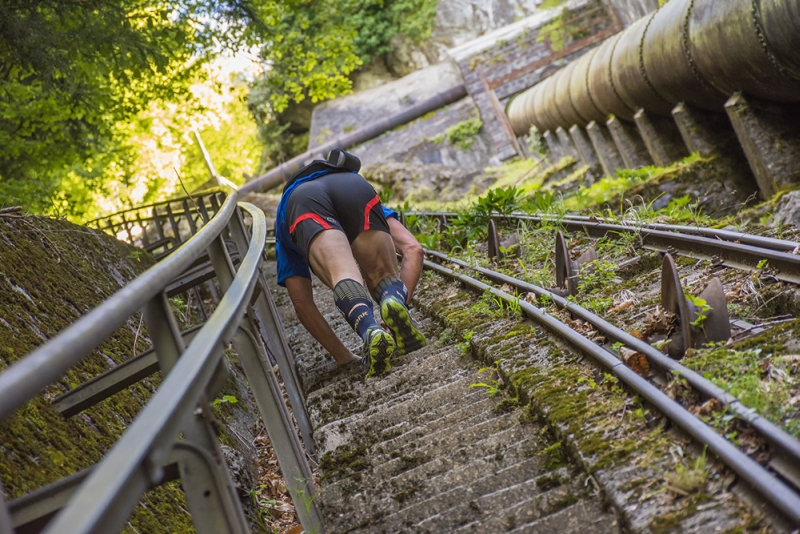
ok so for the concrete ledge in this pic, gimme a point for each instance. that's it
(661, 137)
(629, 143)
(605, 148)
(770, 138)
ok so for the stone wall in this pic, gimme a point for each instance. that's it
(630, 11)
(415, 143)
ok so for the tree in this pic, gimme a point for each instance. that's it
(72, 72)
(312, 48)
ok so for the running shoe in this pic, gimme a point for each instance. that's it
(378, 349)
(407, 336)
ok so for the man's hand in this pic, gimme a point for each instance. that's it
(302, 296)
(409, 248)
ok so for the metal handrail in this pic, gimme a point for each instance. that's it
(46, 364)
(180, 408)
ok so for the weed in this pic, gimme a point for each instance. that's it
(701, 310)
(226, 399)
(463, 134)
(493, 387)
(464, 346)
(688, 480)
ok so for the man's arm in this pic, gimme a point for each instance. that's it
(409, 248)
(306, 309)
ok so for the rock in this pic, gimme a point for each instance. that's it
(425, 182)
(343, 115)
(787, 210)
(372, 75)
(407, 56)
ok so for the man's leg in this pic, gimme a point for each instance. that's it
(374, 251)
(332, 261)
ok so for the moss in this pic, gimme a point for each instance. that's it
(402, 496)
(549, 481)
(52, 272)
(672, 521)
(563, 502)
(507, 405)
(344, 461)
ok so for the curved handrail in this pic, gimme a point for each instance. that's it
(148, 438)
(46, 364)
(113, 487)
(95, 223)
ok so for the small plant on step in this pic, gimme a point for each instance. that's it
(493, 387)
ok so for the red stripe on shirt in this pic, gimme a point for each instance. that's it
(371, 204)
(312, 216)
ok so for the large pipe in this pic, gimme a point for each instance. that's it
(283, 172)
(694, 51)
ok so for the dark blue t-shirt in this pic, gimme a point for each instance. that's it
(290, 260)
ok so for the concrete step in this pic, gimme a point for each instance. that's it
(431, 406)
(344, 398)
(401, 477)
(351, 429)
(518, 503)
(395, 514)
(580, 518)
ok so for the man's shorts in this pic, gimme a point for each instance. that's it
(341, 201)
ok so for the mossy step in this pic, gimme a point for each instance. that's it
(582, 517)
(368, 402)
(451, 423)
(333, 434)
(433, 404)
(486, 439)
(400, 475)
(438, 503)
(519, 504)
(417, 376)
(357, 430)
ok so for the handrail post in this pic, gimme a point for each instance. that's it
(223, 512)
(266, 390)
(6, 527)
(267, 317)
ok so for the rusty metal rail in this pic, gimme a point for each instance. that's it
(173, 436)
(785, 498)
(731, 249)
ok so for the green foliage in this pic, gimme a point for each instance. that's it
(536, 142)
(463, 134)
(557, 31)
(701, 309)
(226, 399)
(472, 222)
(312, 49)
(492, 386)
(689, 479)
(76, 75)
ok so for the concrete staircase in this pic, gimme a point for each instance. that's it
(418, 450)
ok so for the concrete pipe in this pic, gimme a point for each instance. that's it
(668, 63)
(529, 112)
(522, 115)
(628, 73)
(550, 92)
(780, 24)
(545, 113)
(728, 51)
(579, 90)
(563, 100)
(601, 84)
